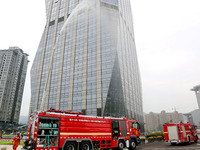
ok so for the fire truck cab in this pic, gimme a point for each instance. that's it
(180, 133)
(74, 131)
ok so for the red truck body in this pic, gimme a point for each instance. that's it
(180, 133)
(70, 131)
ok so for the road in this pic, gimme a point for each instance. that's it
(149, 146)
(166, 146)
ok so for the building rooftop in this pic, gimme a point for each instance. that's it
(14, 48)
(196, 88)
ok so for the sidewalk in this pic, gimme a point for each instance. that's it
(9, 147)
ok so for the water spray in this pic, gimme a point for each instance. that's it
(85, 4)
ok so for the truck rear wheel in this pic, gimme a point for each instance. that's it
(85, 146)
(70, 146)
(121, 145)
(173, 144)
(132, 144)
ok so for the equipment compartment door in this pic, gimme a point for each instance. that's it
(123, 128)
(48, 132)
(115, 129)
(172, 132)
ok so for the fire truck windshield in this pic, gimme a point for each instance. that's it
(134, 125)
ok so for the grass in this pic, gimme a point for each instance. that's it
(7, 135)
(9, 143)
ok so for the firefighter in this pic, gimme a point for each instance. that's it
(1, 133)
(16, 141)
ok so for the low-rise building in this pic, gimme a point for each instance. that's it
(194, 117)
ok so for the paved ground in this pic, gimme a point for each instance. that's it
(9, 147)
(166, 146)
(148, 146)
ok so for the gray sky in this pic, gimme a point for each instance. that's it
(167, 35)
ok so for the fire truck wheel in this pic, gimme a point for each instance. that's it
(85, 146)
(132, 145)
(196, 139)
(189, 140)
(173, 144)
(121, 145)
(70, 146)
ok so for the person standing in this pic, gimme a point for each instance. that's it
(16, 141)
(22, 134)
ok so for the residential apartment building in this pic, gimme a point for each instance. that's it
(13, 68)
(154, 122)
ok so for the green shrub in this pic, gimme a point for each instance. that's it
(9, 143)
(156, 135)
(142, 138)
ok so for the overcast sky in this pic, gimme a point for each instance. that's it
(167, 35)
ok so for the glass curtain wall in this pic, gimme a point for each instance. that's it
(95, 67)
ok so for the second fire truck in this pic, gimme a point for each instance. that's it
(176, 133)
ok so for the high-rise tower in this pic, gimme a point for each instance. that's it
(197, 92)
(95, 67)
(13, 68)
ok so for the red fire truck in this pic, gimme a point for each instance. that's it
(180, 133)
(65, 130)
